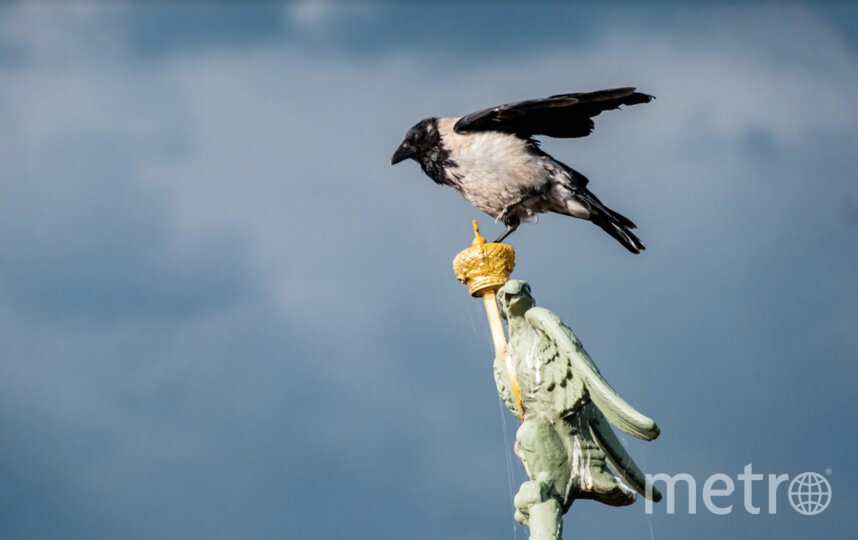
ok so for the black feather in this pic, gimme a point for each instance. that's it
(610, 221)
(561, 115)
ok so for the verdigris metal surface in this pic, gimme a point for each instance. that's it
(547, 379)
(565, 439)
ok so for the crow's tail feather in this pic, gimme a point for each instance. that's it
(613, 223)
(618, 226)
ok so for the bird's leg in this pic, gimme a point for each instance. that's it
(524, 198)
(512, 224)
(513, 221)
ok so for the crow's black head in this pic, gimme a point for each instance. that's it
(418, 141)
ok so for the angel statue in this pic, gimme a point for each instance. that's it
(565, 438)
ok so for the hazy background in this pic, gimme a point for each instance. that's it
(224, 315)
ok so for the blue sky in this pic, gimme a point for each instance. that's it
(224, 315)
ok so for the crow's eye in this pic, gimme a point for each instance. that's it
(405, 145)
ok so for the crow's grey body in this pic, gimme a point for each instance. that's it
(507, 177)
(491, 158)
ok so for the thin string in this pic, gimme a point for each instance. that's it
(509, 469)
(644, 468)
(507, 445)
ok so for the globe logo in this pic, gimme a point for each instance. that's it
(809, 493)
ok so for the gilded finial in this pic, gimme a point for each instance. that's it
(485, 265)
(478, 238)
(484, 268)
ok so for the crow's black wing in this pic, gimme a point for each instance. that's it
(563, 115)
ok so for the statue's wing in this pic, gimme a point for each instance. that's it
(614, 407)
(548, 378)
(617, 455)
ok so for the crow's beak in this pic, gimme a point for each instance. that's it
(402, 153)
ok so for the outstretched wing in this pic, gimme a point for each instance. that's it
(614, 407)
(563, 115)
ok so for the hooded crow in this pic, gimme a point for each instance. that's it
(492, 159)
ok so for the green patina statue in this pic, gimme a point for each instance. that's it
(547, 379)
(565, 439)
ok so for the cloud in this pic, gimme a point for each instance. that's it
(224, 314)
(309, 13)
